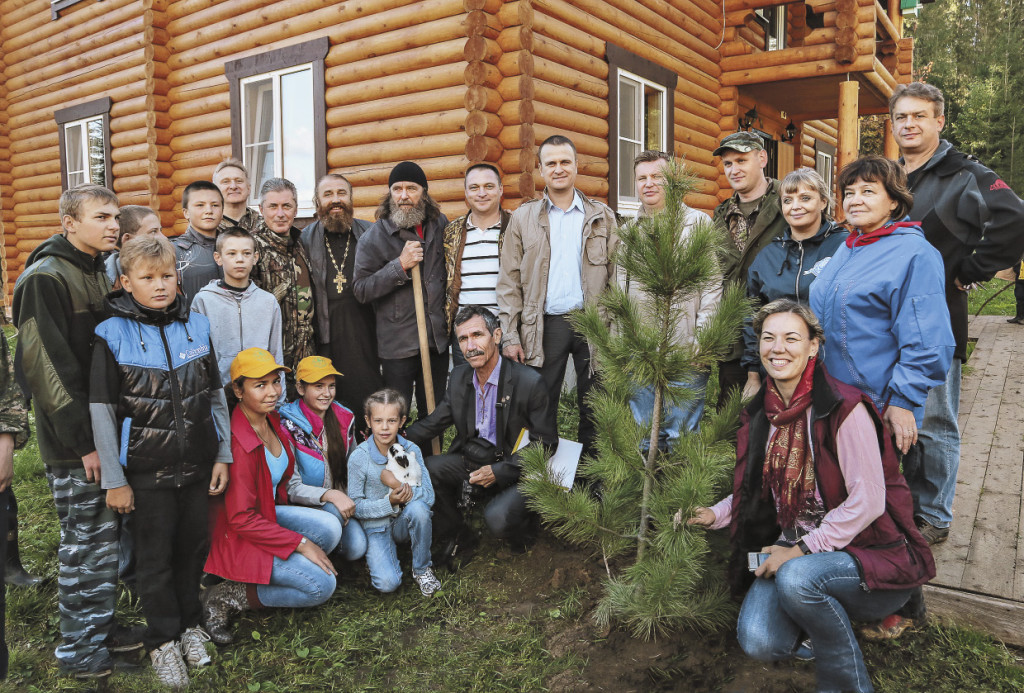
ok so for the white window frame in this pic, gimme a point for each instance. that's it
(86, 172)
(773, 19)
(305, 206)
(630, 205)
(824, 164)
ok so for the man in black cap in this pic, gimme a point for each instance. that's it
(751, 218)
(409, 231)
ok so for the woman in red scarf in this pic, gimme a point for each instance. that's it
(818, 493)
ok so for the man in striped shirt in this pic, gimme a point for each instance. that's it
(471, 245)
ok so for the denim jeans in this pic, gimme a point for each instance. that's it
(297, 581)
(412, 525)
(676, 418)
(817, 594)
(352, 546)
(931, 466)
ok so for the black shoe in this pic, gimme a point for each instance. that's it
(14, 574)
(932, 534)
(124, 638)
(113, 666)
(1019, 320)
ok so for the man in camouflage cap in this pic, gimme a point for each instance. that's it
(751, 218)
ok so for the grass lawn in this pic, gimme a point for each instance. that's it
(502, 623)
(1002, 303)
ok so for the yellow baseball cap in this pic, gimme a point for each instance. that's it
(255, 363)
(313, 369)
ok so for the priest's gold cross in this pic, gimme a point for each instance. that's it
(340, 282)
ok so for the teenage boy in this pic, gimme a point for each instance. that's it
(134, 219)
(58, 301)
(241, 314)
(160, 422)
(203, 205)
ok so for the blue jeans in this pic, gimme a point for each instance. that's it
(412, 525)
(676, 418)
(297, 581)
(353, 539)
(931, 466)
(816, 594)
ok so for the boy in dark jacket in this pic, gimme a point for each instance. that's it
(160, 422)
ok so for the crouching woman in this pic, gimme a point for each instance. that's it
(273, 554)
(818, 488)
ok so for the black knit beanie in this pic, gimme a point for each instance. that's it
(407, 172)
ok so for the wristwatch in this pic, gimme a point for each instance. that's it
(803, 547)
(304, 541)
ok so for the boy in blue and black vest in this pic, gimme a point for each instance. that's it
(160, 423)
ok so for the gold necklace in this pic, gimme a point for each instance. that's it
(339, 278)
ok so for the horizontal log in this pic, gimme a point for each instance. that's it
(480, 48)
(200, 123)
(21, 42)
(516, 88)
(478, 98)
(704, 115)
(556, 73)
(786, 56)
(696, 130)
(479, 23)
(570, 58)
(522, 184)
(555, 29)
(29, 144)
(47, 207)
(410, 104)
(518, 160)
(397, 150)
(436, 169)
(515, 38)
(137, 167)
(38, 129)
(184, 176)
(453, 120)
(135, 151)
(447, 190)
(516, 112)
(517, 13)
(138, 104)
(612, 25)
(572, 100)
(406, 38)
(693, 42)
(690, 17)
(479, 123)
(480, 148)
(51, 194)
(518, 136)
(797, 71)
(91, 89)
(588, 145)
(35, 155)
(443, 53)
(202, 140)
(192, 15)
(517, 63)
(571, 121)
(43, 175)
(126, 139)
(198, 98)
(488, 6)
(482, 74)
(592, 166)
(424, 80)
(133, 121)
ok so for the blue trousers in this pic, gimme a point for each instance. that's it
(675, 418)
(816, 595)
(297, 581)
(412, 525)
(353, 538)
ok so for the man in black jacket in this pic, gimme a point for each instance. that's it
(345, 329)
(977, 223)
(409, 232)
(490, 401)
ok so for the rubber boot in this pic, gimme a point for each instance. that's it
(14, 574)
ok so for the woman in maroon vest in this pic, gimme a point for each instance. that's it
(819, 495)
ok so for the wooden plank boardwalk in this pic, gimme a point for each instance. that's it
(980, 568)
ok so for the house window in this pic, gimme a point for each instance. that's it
(278, 117)
(824, 161)
(56, 6)
(771, 148)
(641, 117)
(84, 139)
(773, 20)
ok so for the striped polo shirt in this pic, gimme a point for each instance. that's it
(480, 266)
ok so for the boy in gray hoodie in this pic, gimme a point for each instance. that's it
(241, 314)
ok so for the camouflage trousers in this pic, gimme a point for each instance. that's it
(87, 576)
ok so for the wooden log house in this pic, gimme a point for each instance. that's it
(146, 96)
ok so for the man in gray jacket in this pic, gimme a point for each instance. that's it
(346, 330)
(555, 257)
(409, 231)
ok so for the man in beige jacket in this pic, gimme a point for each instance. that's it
(556, 256)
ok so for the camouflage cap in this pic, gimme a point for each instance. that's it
(740, 142)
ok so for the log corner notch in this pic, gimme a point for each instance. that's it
(482, 99)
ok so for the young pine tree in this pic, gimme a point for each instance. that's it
(634, 514)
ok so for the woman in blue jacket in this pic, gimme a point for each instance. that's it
(881, 300)
(786, 267)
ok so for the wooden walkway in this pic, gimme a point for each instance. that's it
(980, 578)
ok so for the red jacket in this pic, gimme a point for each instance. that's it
(890, 552)
(244, 534)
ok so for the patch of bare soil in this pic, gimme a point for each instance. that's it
(557, 585)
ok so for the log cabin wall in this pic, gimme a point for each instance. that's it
(570, 71)
(10, 249)
(93, 50)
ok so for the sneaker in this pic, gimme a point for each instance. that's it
(193, 647)
(932, 534)
(804, 652)
(124, 638)
(428, 582)
(169, 666)
(890, 628)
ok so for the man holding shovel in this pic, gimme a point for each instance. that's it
(407, 240)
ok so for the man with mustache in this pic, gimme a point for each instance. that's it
(346, 331)
(283, 269)
(409, 231)
(489, 402)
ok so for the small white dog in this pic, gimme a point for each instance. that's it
(401, 464)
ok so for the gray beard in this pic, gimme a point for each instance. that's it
(408, 218)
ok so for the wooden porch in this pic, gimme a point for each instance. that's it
(980, 580)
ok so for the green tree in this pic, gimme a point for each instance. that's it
(634, 512)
